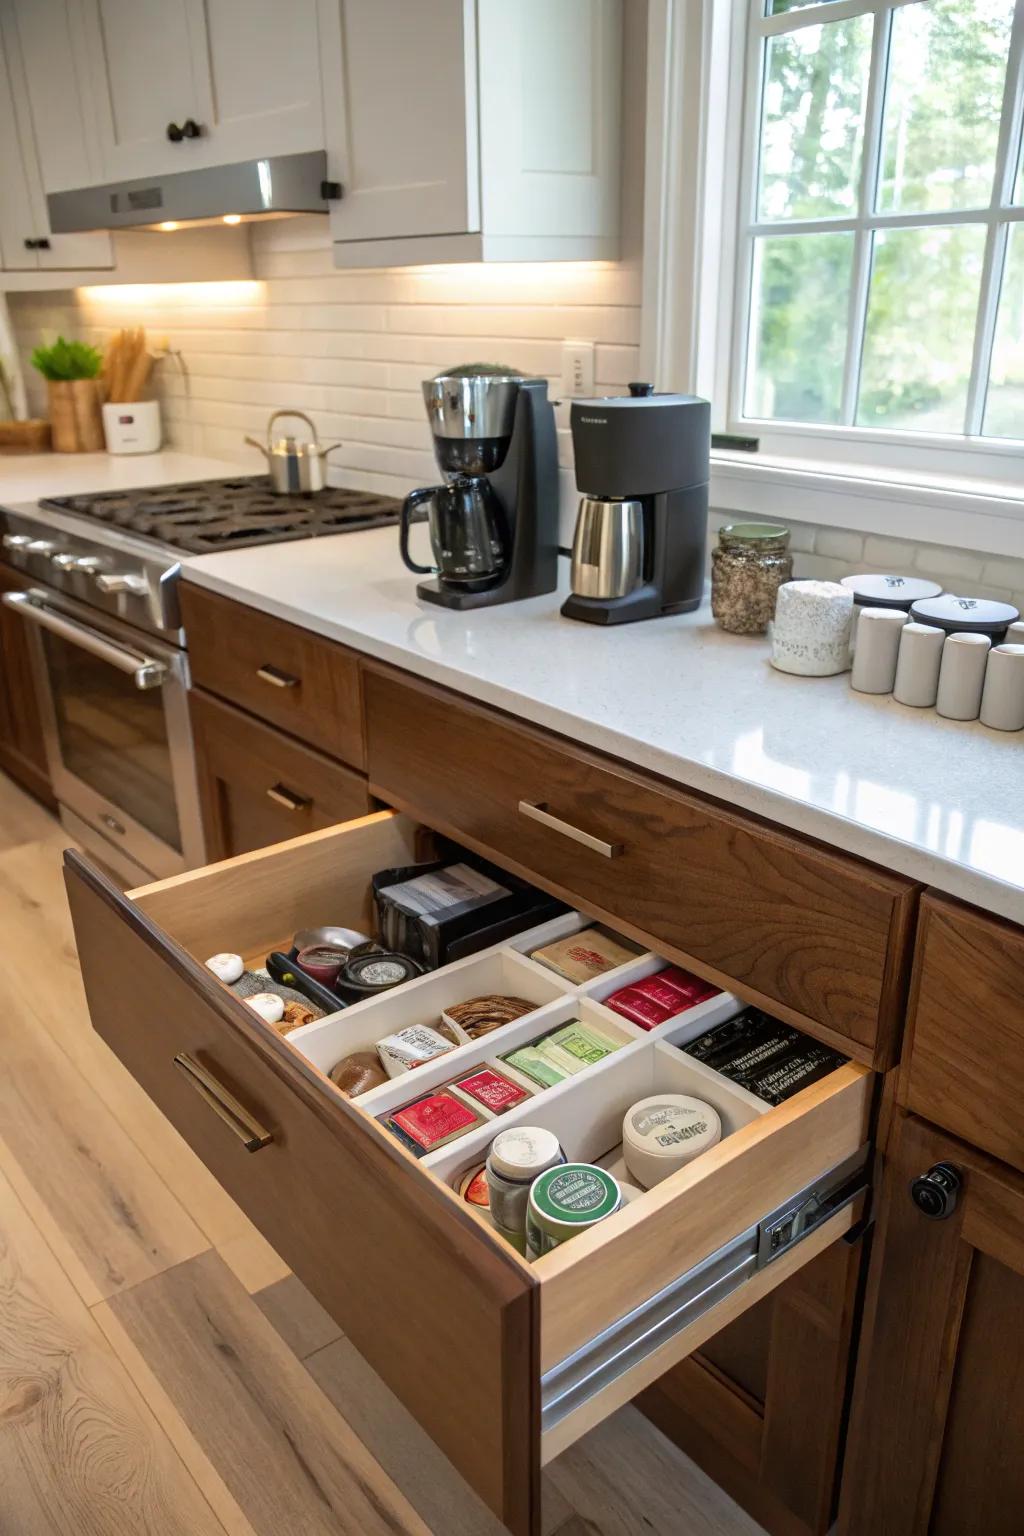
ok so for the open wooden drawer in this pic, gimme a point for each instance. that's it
(504, 1363)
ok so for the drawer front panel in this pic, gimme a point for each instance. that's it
(285, 675)
(425, 1295)
(257, 786)
(965, 1070)
(818, 936)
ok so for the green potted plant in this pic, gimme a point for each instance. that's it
(72, 373)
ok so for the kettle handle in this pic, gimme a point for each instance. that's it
(409, 506)
(300, 416)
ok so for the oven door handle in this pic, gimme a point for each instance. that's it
(143, 670)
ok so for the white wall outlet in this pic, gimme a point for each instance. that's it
(577, 368)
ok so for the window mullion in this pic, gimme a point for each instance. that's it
(1007, 153)
(869, 174)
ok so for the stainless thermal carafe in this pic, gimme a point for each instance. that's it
(607, 547)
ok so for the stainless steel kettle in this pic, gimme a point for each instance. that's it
(295, 467)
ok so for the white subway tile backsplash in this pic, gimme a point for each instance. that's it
(838, 544)
(948, 565)
(888, 555)
(1004, 572)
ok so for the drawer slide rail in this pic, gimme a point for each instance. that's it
(582, 1375)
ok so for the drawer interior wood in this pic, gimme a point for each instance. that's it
(367, 1226)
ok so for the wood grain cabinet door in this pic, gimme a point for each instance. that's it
(257, 786)
(937, 1434)
(965, 1068)
(815, 936)
(22, 749)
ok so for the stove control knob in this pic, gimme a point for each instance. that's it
(17, 540)
(118, 581)
(69, 562)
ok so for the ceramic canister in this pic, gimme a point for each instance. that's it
(917, 667)
(1002, 702)
(878, 644)
(962, 676)
(811, 630)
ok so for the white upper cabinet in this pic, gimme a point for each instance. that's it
(469, 130)
(179, 84)
(46, 139)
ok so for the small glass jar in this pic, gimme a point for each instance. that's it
(748, 567)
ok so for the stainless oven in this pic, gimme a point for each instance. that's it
(115, 715)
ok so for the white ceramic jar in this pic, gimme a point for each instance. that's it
(962, 675)
(1002, 701)
(878, 644)
(811, 629)
(917, 666)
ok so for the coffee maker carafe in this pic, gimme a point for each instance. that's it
(642, 467)
(494, 522)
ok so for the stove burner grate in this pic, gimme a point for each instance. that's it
(204, 516)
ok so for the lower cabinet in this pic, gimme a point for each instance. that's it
(519, 1360)
(937, 1428)
(762, 1406)
(257, 786)
(22, 748)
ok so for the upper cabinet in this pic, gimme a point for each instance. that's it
(45, 136)
(469, 130)
(180, 84)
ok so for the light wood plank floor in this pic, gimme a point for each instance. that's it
(161, 1372)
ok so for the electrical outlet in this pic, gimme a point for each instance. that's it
(577, 368)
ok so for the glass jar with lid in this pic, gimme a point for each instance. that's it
(749, 565)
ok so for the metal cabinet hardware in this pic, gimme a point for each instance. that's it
(287, 797)
(277, 678)
(224, 1104)
(541, 813)
(189, 129)
(935, 1192)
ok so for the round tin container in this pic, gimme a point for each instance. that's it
(890, 591)
(565, 1201)
(958, 615)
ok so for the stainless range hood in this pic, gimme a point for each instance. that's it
(278, 185)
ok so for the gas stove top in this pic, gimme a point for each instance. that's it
(204, 516)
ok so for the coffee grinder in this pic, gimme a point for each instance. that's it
(642, 467)
(494, 522)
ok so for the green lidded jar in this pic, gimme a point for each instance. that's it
(749, 565)
(565, 1201)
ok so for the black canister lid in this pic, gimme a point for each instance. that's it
(957, 614)
(889, 591)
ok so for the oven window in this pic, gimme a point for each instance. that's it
(113, 736)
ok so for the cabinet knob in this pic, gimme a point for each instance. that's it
(189, 129)
(935, 1192)
(40, 244)
(174, 133)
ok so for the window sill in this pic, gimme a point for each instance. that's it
(967, 513)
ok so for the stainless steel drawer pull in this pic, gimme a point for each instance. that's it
(286, 797)
(556, 824)
(224, 1104)
(276, 677)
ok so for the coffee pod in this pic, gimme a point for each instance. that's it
(1002, 701)
(917, 667)
(227, 966)
(962, 676)
(665, 1132)
(268, 1005)
(878, 644)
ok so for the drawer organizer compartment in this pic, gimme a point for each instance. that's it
(460, 1326)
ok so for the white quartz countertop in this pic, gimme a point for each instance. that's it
(936, 800)
(29, 476)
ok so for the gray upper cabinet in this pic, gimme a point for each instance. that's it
(45, 135)
(245, 72)
(469, 130)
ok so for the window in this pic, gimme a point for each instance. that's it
(880, 250)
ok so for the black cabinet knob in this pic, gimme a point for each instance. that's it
(174, 133)
(934, 1193)
(42, 244)
(190, 128)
